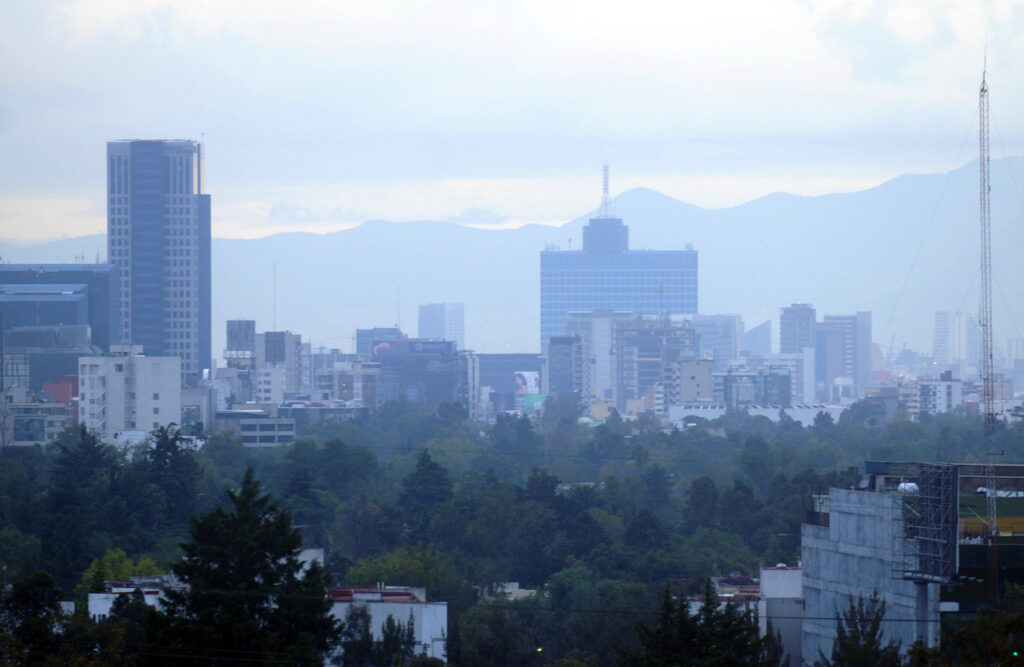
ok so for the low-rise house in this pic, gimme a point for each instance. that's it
(430, 619)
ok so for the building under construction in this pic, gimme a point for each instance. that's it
(918, 535)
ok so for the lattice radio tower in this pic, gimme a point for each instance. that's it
(985, 315)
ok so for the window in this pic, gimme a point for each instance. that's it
(156, 397)
(156, 411)
(119, 368)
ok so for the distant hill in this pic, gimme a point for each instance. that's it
(903, 250)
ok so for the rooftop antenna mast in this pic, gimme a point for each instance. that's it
(606, 203)
(985, 315)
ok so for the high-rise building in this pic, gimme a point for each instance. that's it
(158, 235)
(940, 339)
(720, 337)
(796, 327)
(856, 342)
(607, 275)
(48, 291)
(758, 340)
(443, 321)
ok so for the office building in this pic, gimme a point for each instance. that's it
(126, 395)
(796, 327)
(421, 371)
(158, 236)
(720, 337)
(607, 275)
(741, 387)
(640, 348)
(856, 331)
(564, 366)
(367, 339)
(595, 330)
(498, 379)
(62, 294)
(758, 340)
(35, 356)
(443, 321)
(278, 366)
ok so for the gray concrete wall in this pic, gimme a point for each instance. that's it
(853, 557)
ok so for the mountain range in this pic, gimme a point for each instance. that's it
(903, 250)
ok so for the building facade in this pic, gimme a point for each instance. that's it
(607, 275)
(96, 284)
(443, 321)
(796, 327)
(125, 395)
(158, 236)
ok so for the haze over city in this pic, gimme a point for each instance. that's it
(535, 333)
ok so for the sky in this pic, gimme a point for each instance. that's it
(317, 116)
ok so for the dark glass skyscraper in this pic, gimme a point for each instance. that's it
(158, 235)
(607, 275)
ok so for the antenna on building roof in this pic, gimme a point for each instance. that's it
(606, 200)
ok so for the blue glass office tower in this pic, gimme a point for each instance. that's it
(158, 235)
(607, 275)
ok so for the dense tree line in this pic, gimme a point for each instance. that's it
(600, 518)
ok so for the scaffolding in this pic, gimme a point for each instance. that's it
(925, 523)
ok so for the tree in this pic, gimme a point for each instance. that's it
(859, 637)
(249, 598)
(426, 489)
(715, 635)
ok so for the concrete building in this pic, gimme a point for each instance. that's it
(847, 552)
(607, 275)
(278, 365)
(355, 382)
(781, 609)
(443, 321)
(240, 358)
(686, 381)
(401, 603)
(256, 426)
(938, 395)
(127, 395)
(31, 419)
(151, 587)
(96, 284)
(158, 236)
(796, 327)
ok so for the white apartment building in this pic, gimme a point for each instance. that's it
(127, 391)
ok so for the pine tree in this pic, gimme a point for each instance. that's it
(249, 601)
(859, 637)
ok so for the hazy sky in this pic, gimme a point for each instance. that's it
(319, 115)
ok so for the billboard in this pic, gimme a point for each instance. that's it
(527, 382)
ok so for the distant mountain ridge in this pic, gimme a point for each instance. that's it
(903, 250)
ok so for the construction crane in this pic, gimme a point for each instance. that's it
(985, 317)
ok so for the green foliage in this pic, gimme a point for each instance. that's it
(249, 597)
(713, 635)
(859, 637)
(115, 565)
